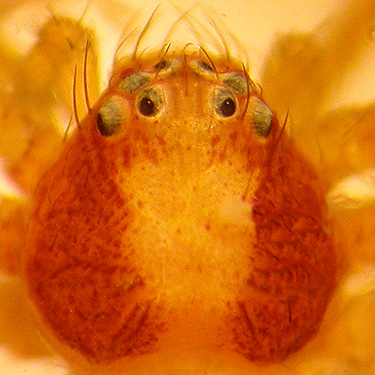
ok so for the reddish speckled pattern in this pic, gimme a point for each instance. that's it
(81, 272)
(294, 263)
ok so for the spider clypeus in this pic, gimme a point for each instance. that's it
(171, 224)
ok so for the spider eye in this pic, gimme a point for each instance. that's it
(134, 82)
(262, 116)
(162, 65)
(224, 103)
(110, 116)
(149, 102)
(147, 107)
(204, 66)
(236, 82)
(227, 107)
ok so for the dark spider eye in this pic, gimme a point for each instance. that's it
(224, 102)
(161, 65)
(149, 102)
(228, 107)
(201, 68)
(147, 107)
(165, 68)
(205, 66)
(110, 116)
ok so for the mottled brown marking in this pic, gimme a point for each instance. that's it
(293, 263)
(79, 270)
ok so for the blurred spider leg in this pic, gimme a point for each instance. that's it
(29, 122)
(302, 70)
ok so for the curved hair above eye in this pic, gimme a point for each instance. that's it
(224, 103)
(149, 102)
(262, 116)
(110, 116)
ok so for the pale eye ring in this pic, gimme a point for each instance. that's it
(149, 102)
(224, 103)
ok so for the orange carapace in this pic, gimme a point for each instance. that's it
(180, 213)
